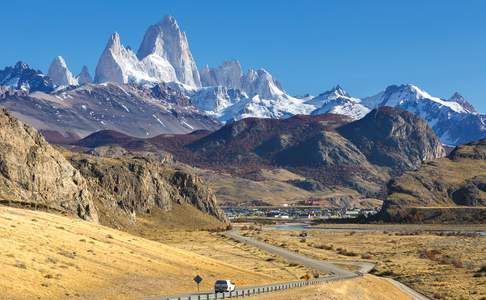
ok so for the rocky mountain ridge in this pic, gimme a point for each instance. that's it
(322, 148)
(34, 174)
(451, 189)
(132, 109)
(112, 190)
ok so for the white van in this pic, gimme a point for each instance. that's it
(223, 286)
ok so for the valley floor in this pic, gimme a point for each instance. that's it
(440, 265)
(48, 256)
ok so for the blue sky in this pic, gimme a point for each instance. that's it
(308, 45)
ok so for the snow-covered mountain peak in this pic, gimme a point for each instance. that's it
(21, 66)
(166, 40)
(331, 95)
(260, 82)
(338, 91)
(228, 74)
(338, 101)
(458, 98)
(120, 64)
(409, 95)
(84, 76)
(170, 22)
(22, 77)
(60, 74)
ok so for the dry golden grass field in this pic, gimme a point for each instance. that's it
(47, 256)
(368, 287)
(441, 266)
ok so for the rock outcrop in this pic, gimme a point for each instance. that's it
(449, 189)
(34, 174)
(111, 186)
(127, 186)
(394, 138)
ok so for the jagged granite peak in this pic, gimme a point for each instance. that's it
(228, 75)
(120, 64)
(24, 78)
(84, 76)
(34, 174)
(166, 40)
(60, 73)
(253, 94)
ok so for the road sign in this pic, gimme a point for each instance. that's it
(198, 280)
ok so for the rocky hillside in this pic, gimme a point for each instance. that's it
(34, 174)
(394, 138)
(127, 186)
(112, 186)
(453, 187)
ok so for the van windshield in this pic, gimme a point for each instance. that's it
(221, 282)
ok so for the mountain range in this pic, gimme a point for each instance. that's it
(329, 151)
(139, 88)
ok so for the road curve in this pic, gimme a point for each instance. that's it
(335, 273)
(291, 256)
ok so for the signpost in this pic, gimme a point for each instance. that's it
(198, 280)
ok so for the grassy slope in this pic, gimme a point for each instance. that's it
(447, 172)
(366, 288)
(275, 190)
(46, 256)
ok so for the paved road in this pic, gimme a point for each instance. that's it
(246, 291)
(294, 257)
(335, 273)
